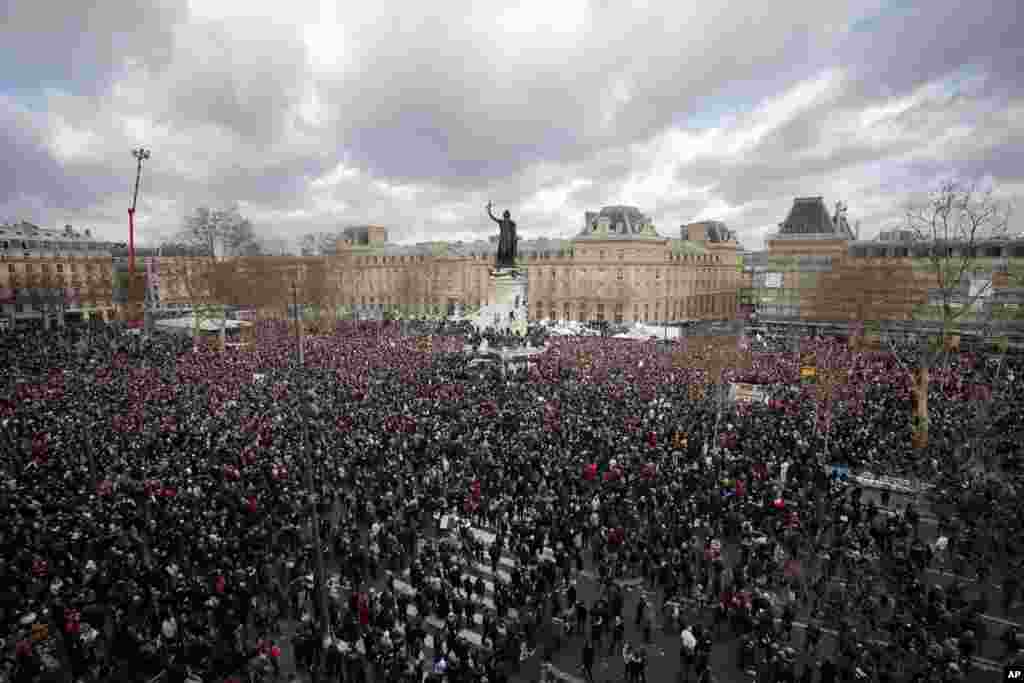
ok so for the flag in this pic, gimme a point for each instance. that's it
(590, 471)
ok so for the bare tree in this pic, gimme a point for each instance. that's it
(219, 232)
(864, 292)
(263, 283)
(192, 279)
(715, 356)
(319, 243)
(97, 290)
(276, 246)
(952, 222)
(317, 290)
(930, 292)
(218, 238)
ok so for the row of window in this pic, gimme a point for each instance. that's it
(45, 267)
(420, 258)
(678, 310)
(42, 244)
(921, 251)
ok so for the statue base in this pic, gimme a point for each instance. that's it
(507, 305)
(506, 272)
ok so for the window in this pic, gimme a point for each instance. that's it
(619, 275)
(618, 314)
(657, 274)
(11, 268)
(622, 254)
(647, 312)
(60, 267)
(28, 267)
(601, 254)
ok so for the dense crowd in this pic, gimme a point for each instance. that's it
(154, 511)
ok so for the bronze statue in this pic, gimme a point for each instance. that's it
(506, 239)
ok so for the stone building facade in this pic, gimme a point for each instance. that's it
(50, 276)
(814, 269)
(618, 269)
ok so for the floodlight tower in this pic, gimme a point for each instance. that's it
(140, 155)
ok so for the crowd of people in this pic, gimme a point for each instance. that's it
(155, 506)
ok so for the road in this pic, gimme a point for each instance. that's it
(663, 650)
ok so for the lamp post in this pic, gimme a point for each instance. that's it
(308, 410)
(140, 154)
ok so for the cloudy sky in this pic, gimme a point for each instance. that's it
(316, 114)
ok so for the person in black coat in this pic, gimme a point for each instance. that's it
(588, 661)
(828, 671)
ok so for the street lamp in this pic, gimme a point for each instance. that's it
(140, 154)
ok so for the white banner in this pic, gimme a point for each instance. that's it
(741, 392)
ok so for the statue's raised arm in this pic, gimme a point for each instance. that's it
(496, 220)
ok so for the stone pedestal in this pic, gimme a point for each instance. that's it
(507, 308)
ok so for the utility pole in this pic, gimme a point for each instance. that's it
(306, 407)
(298, 323)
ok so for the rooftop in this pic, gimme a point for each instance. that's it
(617, 222)
(29, 231)
(810, 216)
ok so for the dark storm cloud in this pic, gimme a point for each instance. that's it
(418, 110)
(30, 167)
(269, 183)
(32, 172)
(909, 44)
(81, 46)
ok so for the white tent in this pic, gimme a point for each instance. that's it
(210, 325)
